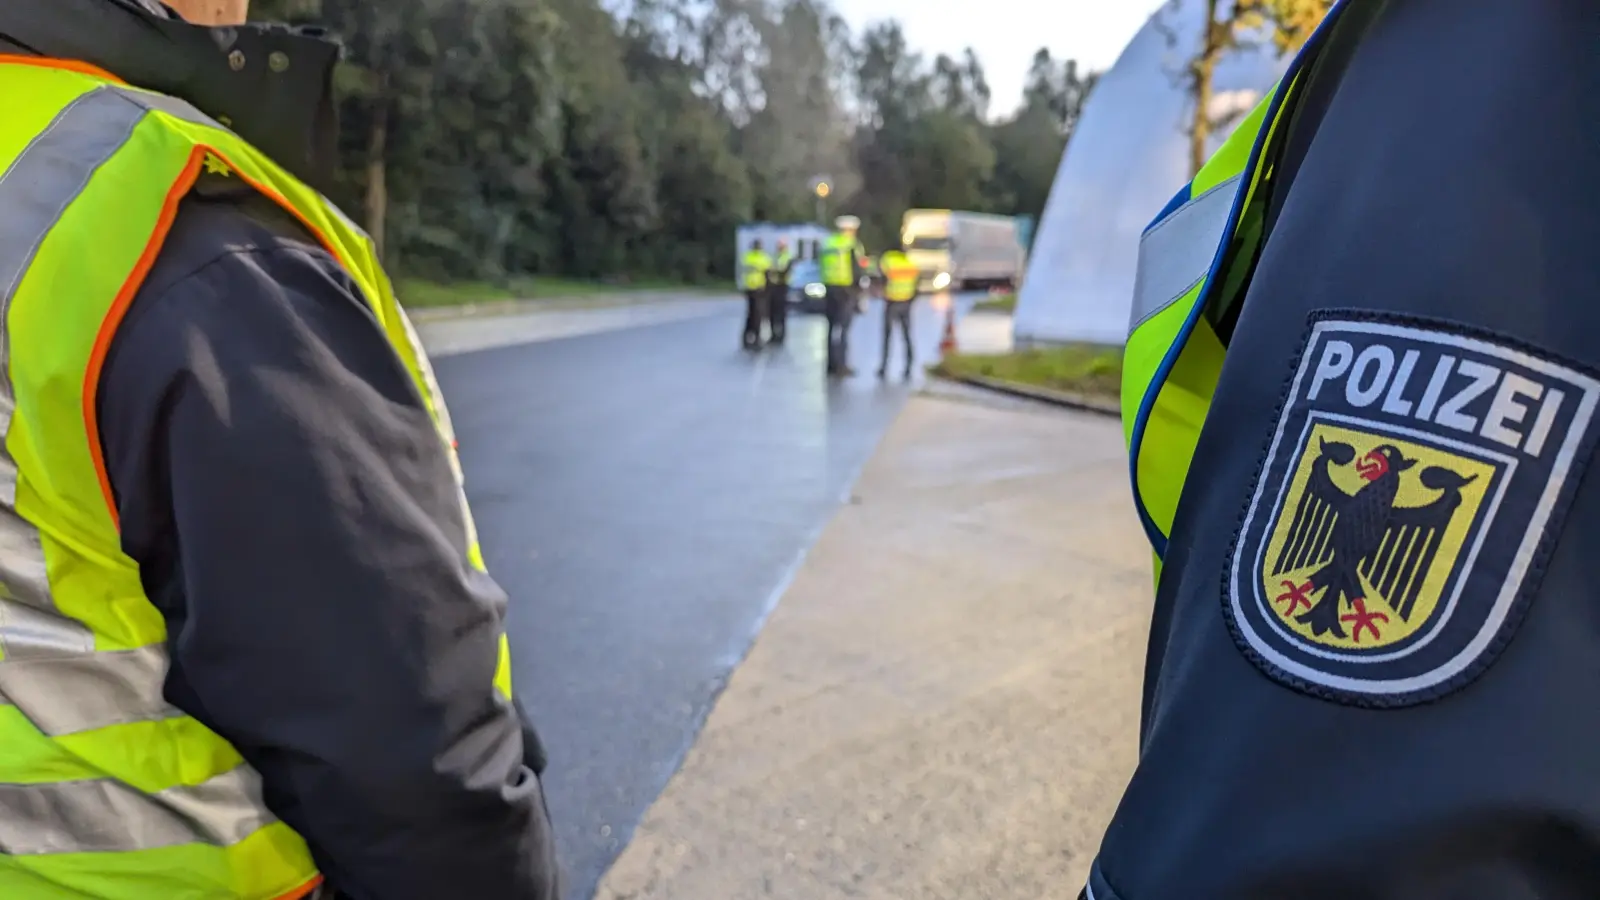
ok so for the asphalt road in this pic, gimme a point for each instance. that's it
(644, 491)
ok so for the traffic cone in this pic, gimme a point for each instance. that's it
(947, 344)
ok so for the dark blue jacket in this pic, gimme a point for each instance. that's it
(1435, 199)
(248, 396)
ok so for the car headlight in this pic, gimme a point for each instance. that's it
(941, 281)
(815, 291)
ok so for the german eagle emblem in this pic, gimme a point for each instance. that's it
(1361, 540)
(1407, 502)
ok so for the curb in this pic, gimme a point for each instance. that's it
(1043, 395)
(978, 309)
(555, 304)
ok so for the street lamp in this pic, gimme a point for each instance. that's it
(821, 188)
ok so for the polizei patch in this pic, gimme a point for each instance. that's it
(1401, 519)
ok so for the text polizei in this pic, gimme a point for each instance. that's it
(1442, 388)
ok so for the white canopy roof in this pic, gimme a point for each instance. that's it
(1130, 154)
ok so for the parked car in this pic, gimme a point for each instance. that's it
(806, 292)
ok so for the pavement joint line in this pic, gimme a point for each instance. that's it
(1063, 399)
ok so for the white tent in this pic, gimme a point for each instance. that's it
(1129, 156)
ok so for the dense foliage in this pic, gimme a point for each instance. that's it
(485, 139)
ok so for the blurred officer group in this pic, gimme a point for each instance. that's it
(844, 271)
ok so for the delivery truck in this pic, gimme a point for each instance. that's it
(956, 250)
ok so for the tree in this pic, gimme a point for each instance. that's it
(801, 129)
(1293, 21)
(961, 86)
(894, 91)
(1028, 146)
(448, 117)
(1231, 26)
(701, 187)
(1027, 151)
(893, 83)
(1057, 88)
(949, 162)
(603, 198)
(492, 139)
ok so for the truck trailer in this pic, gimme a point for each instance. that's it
(956, 250)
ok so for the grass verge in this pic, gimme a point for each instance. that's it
(1088, 369)
(996, 303)
(418, 293)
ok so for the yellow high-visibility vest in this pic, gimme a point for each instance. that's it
(1194, 258)
(106, 791)
(899, 276)
(838, 258)
(756, 264)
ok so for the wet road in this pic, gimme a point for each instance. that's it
(644, 494)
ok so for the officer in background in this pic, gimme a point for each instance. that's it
(248, 647)
(1361, 446)
(843, 262)
(899, 291)
(778, 293)
(755, 266)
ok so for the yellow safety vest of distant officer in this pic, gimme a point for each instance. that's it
(757, 264)
(900, 276)
(778, 293)
(842, 255)
(109, 792)
(757, 267)
(785, 259)
(899, 289)
(1173, 356)
(842, 261)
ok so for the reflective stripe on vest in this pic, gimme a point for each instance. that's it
(1173, 357)
(900, 276)
(107, 791)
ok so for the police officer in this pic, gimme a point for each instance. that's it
(756, 266)
(778, 292)
(899, 291)
(1360, 445)
(248, 648)
(842, 262)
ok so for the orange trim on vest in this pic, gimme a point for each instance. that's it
(119, 308)
(69, 65)
(136, 279)
(288, 207)
(303, 890)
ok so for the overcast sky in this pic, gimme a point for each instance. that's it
(1005, 33)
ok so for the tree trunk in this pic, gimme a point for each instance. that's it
(1203, 70)
(377, 176)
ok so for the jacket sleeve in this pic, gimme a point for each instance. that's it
(295, 518)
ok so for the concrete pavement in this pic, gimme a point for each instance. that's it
(985, 331)
(644, 489)
(944, 703)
